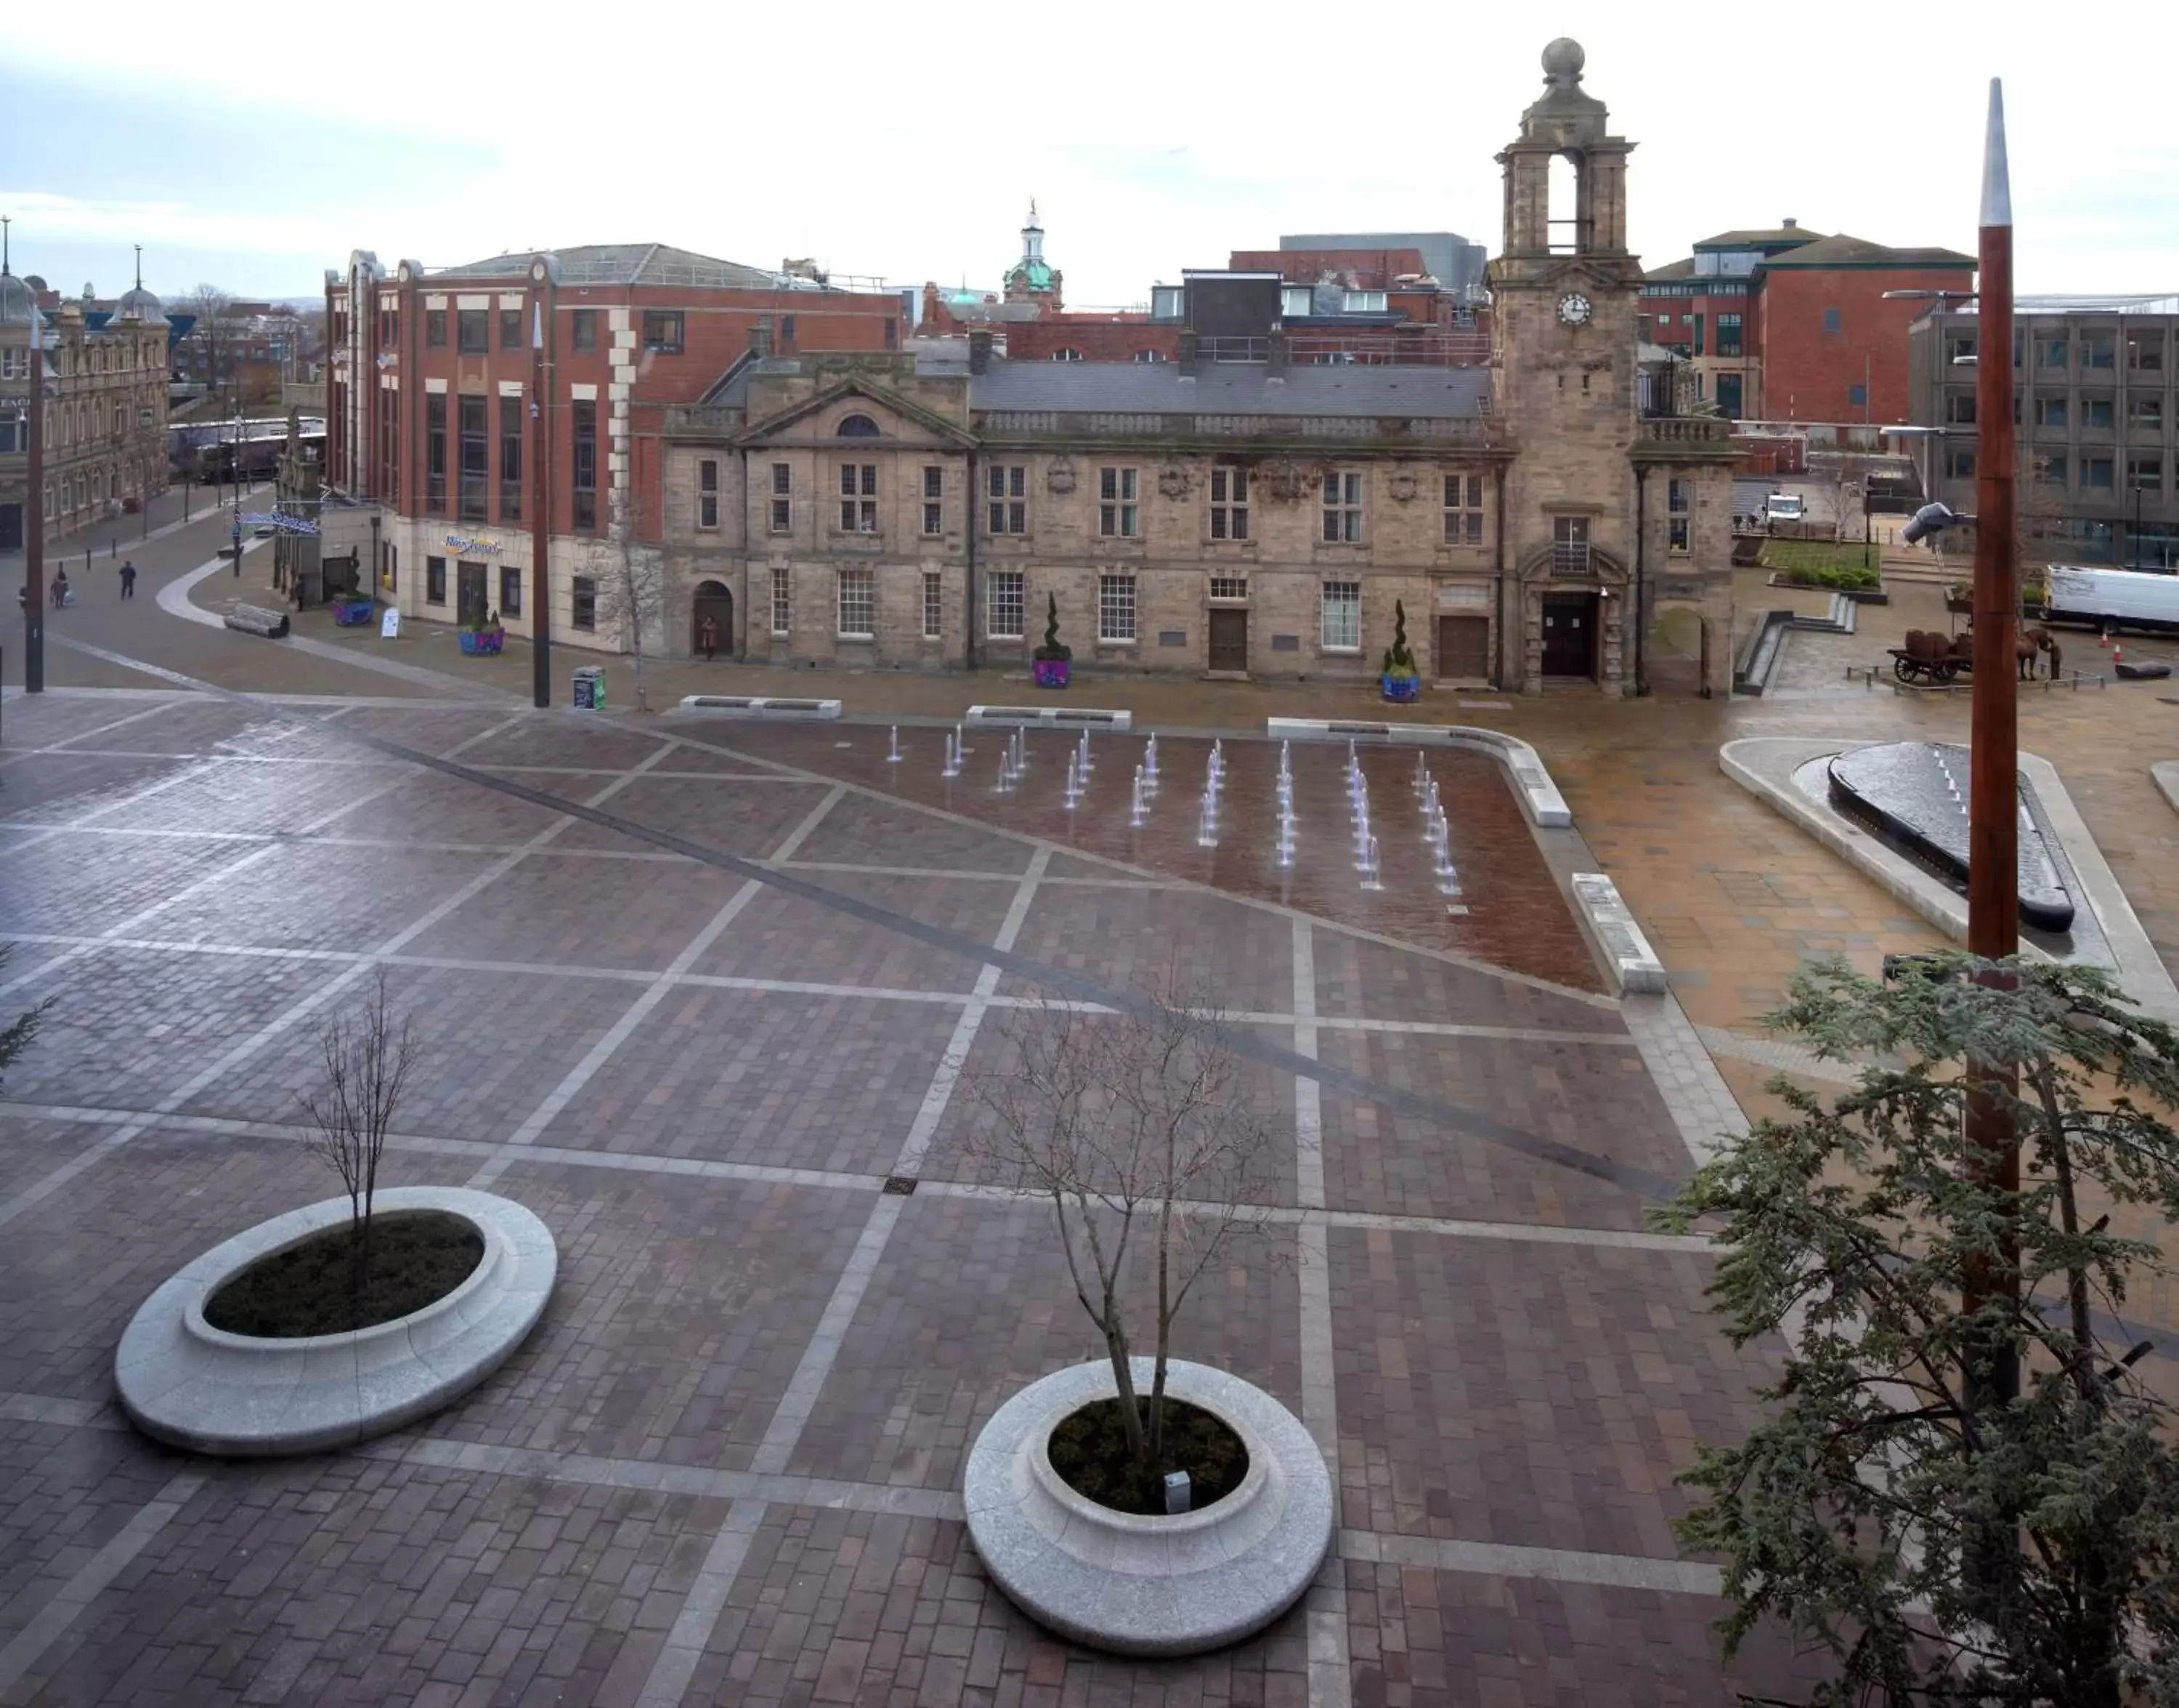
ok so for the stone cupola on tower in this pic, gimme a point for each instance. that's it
(1032, 279)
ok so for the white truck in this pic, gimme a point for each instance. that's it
(2110, 600)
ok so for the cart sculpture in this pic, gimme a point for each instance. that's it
(1931, 656)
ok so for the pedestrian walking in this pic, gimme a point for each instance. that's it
(128, 579)
(707, 632)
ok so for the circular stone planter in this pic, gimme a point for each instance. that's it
(193, 1386)
(1149, 1585)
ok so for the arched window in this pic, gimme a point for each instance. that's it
(1066, 355)
(856, 427)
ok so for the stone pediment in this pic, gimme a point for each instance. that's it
(897, 418)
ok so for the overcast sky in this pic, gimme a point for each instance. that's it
(256, 149)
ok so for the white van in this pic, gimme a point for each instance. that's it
(2110, 600)
(1785, 506)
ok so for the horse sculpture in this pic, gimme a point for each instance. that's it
(2031, 642)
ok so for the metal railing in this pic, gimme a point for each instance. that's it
(1572, 560)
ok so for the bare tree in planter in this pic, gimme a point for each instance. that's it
(368, 1056)
(1134, 1126)
(16, 1036)
(1964, 1495)
(632, 591)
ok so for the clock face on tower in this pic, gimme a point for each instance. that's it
(1574, 309)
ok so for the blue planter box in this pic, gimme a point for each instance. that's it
(479, 642)
(354, 613)
(1401, 689)
(1051, 673)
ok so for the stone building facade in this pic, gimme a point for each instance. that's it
(1264, 518)
(105, 406)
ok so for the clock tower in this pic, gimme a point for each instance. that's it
(1563, 294)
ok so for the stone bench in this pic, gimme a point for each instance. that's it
(1634, 963)
(254, 619)
(758, 706)
(1047, 717)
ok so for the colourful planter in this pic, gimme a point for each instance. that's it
(479, 642)
(1051, 673)
(1401, 688)
(354, 613)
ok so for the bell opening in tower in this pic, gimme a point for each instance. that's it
(1562, 220)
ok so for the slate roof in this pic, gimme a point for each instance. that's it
(629, 263)
(1845, 251)
(1673, 270)
(1752, 239)
(1244, 388)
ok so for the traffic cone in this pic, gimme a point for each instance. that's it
(2102, 640)
(2117, 651)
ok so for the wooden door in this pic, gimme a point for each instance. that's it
(1229, 638)
(1463, 647)
(715, 600)
(1570, 634)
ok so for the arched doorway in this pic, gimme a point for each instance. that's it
(716, 600)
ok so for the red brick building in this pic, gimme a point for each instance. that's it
(428, 401)
(1789, 325)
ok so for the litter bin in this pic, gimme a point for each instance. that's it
(590, 689)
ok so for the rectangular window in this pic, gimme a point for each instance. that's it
(1959, 347)
(783, 600)
(1364, 302)
(8, 436)
(510, 590)
(476, 459)
(2096, 474)
(510, 328)
(2096, 412)
(1960, 462)
(859, 603)
(1116, 607)
(1832, 323)
(782, 479)
(2054, 352)
(1340, 625)
(1856, 396)
(435, 329)
(1728, 396)
(586, 595)
(2145, 473)
(510, 458)
(1464, 510)
(1570, 545)
(1697, 319)
(1297, 301)
(2049, 411)
(1960, 408)
(2147, 413)
(435, 453)
(2099, 350)
(1006, 599)
(2050, 471)
(1342, 507)
(934, 495)
(1115, 503)
(586, 329)
(435, 580)
(858, 501)
(1728, 335)
(934, 481)
(584, 411)
(782, 516)
(1679, 523)
(1229, 587)
(933, 605)
(2144, 351)
(1229, 504)
(1007, 483)
(934, 519)
(707, 493)
(473, 331)
(662, 330)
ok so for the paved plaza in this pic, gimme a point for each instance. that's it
(726, 1466)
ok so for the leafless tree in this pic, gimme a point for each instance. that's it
(368, 1054)
(209, 331)
(1136, 1128)
(632, 592)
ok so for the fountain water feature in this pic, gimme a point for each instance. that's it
(892, 758)
(952, 768)
(1150, 768)
(1139, 806)
(1074, 781)
(1083, 760)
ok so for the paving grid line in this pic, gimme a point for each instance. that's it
(1330, 1672)
(304, 1006)
(660, 985)
(1463, 1121)
(676, 1661)
(66, 744)
(774, 1173)
(51, 1622)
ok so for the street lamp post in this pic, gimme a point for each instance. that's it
(34, 518)
(237, 472)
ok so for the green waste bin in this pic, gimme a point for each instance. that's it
(590, 689)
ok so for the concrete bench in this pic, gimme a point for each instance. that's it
(1083, 717)
(254, 619)
(1634, 963)
(758, 706)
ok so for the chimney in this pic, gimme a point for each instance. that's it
(760, 339)
(1791, 225)
(979, 352)
(1281, 355)
(1188, 347)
